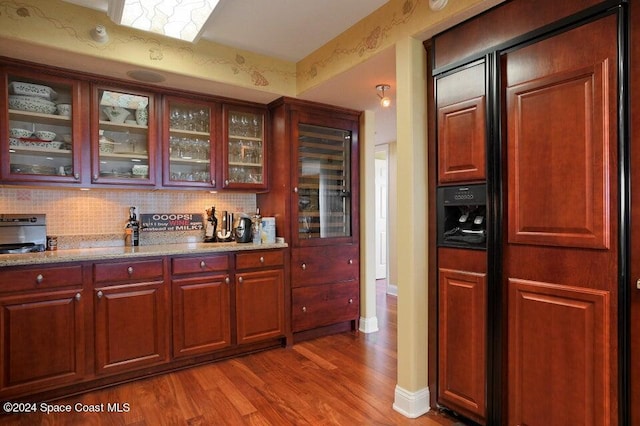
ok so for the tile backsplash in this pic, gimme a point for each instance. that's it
(96, 218)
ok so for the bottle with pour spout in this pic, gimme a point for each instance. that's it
(132, 229)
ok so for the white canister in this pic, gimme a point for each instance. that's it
(268, 230)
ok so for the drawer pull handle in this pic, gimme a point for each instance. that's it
(350, 261)
(39, 279)
(304, 309)
(240, 280)
(130, 270)
(261, 259)
(202, 264)
(78, 297)
(226, 280)
(350, 300)
(100, 294)
(304, 266)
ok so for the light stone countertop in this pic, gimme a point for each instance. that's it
(107, 253)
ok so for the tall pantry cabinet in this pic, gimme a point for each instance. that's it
(539, 323)
(315, 199)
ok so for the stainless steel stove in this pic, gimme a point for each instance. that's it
(22, 233)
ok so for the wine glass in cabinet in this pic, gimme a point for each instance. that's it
(188, 143)
(123, 136)
(41, 138)
(244, 150)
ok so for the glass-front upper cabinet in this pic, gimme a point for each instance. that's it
(324, 185)
(123, 136)
(244, 150)
(41, 133)
(188, 143)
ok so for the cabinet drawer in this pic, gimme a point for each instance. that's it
(325, 305)
(198, 264)
(37, 277)
(137, 270)
(259, 259)
(321, 265)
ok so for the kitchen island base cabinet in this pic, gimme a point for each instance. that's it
(201, 312)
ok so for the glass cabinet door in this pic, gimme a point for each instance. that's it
(244, 151)
(123, 123)
(324, 182)
(42, 129)
(188, 149)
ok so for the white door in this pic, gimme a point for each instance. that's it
(381, 198)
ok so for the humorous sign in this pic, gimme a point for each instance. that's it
(171, 222)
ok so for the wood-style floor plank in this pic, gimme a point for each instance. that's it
(344, 379)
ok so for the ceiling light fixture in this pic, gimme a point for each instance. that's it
(182, 19)
(385, 101)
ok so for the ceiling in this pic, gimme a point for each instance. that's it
(273, 28)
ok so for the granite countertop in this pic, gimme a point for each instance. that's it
(106, 253)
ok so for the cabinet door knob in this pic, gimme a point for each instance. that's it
(295, 189)
(39, 279)
(95, 178)
(226, 182)
(350, 300)
(304, 309)
(202, 264)
(240, 280)
(350, 261)
(304, 266)
(638, 283)
(78, 297)
(130, 270)
(213, 182)
(261, 259)
(77, 176)
(226, 280)
(100, 294)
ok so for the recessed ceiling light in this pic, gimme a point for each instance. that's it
(182, 19)
(146, 76)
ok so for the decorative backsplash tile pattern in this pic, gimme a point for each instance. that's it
(96, 218)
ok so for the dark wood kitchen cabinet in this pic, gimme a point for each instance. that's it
(123, 136)
(189, 142)
(131, 308)
(260, 296)
(41, 130)
(315, 199)
(42, 328)
(111, 133)
(244, 147)
(201, 298)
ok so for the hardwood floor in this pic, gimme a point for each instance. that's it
(344, 379)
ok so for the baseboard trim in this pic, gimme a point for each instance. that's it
(411, 404)
(369, 325)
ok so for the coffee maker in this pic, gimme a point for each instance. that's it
(243, 230)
